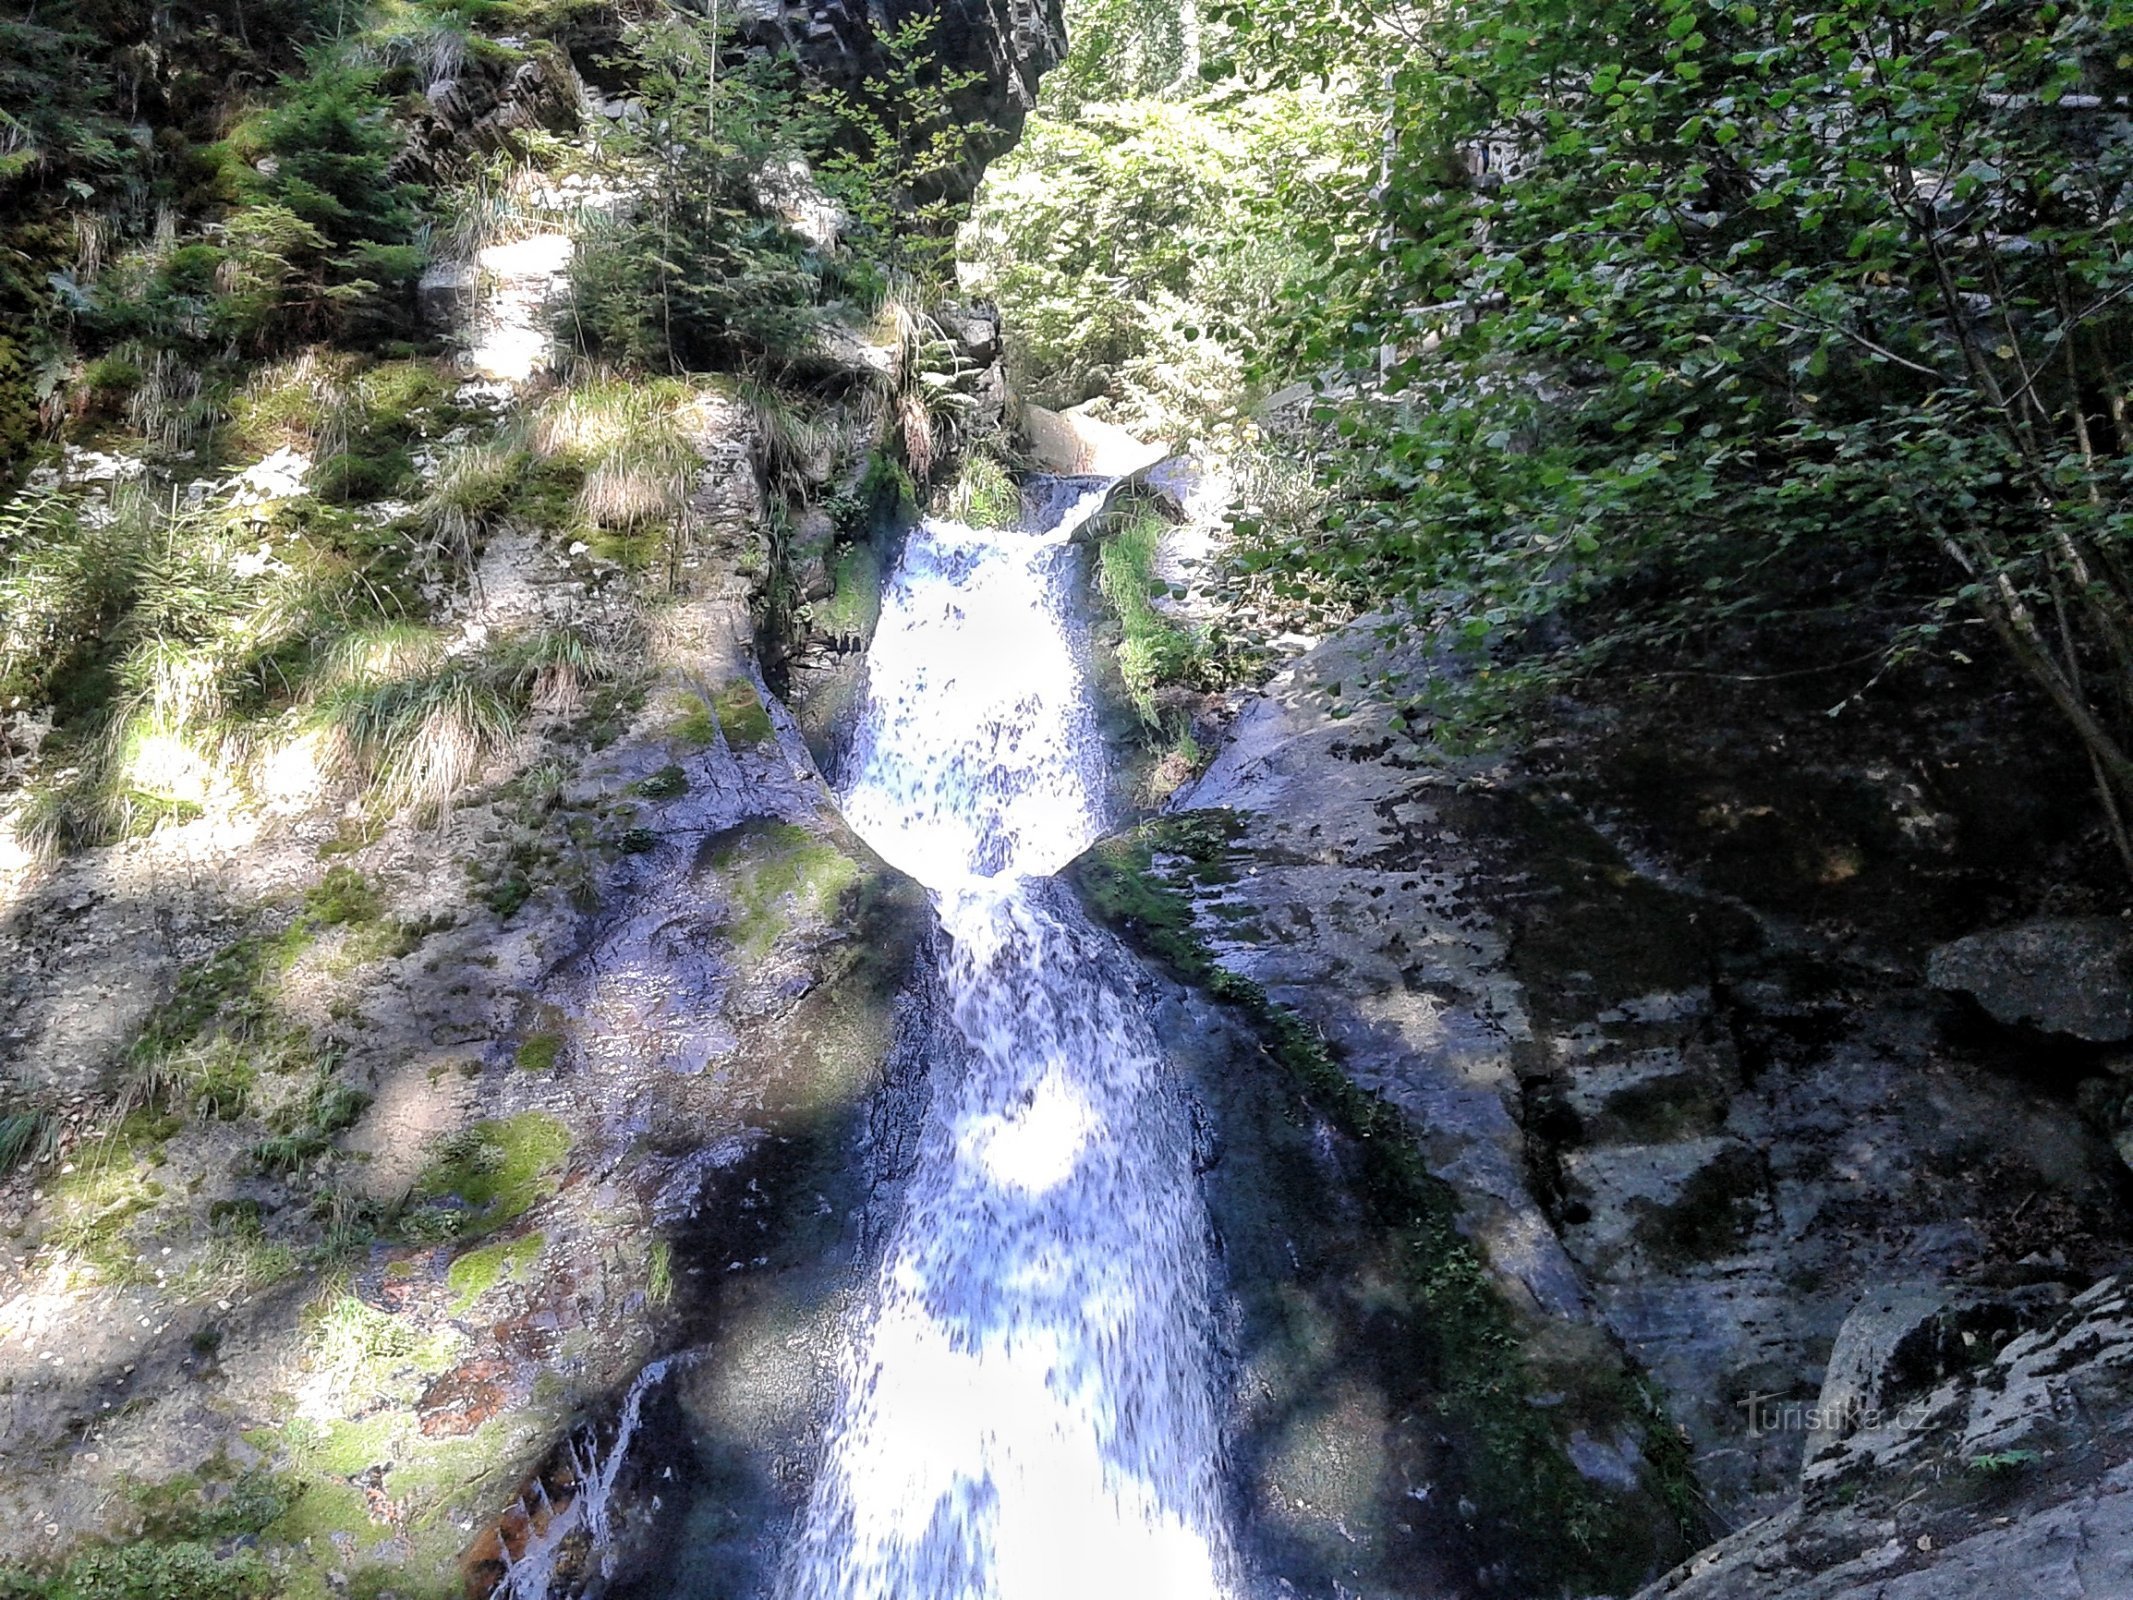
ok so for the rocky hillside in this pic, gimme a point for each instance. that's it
(1661, 1072)
(1769, 1074)
(438, 984)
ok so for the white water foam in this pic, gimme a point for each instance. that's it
(1029, 1412)
(593, 1470)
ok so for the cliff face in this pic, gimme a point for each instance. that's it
(1670, 1011)
(600, 1063)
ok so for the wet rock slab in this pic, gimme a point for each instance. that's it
(1677, 1117)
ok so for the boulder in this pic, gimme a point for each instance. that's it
(992, 52)
(841, 351)
(1903, 1339)
(444, 295)
(974, 330)
(1079, 445)
(790, 189)
(2070, 975)
(2014, 1477)
(813, 534)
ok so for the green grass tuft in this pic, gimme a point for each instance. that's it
(539, 1053)
(1153, 650)
(982, 495)
(22, 1134)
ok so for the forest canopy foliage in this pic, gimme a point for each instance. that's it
(1667, 320)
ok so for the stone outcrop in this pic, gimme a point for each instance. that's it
(1080, 445)
(2070, 975)
(1005, 45)
(1690, 1121)
(2011, 1477)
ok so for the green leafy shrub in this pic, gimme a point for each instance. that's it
(1675, 322)
(319, 164)
(180, 1571)
(1137, 253)
(703, 272)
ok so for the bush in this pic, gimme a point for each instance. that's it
(332, 230)
(702, 273)
(1131, 255)
(181, 1571)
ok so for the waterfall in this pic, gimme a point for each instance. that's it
(592, 1467)
(1028, 1411)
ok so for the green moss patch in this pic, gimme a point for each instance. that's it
(777, 872)
(493, 1172)
(854, 605)
(343, 896)
(697, 726)
(734, 710)
(539, 1052)
(741, 715)
(476, 1272)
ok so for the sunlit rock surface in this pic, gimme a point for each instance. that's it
(2011, 1476)
(1686, 1119)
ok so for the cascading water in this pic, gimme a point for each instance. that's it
(550, 1528)
(1029, 1411)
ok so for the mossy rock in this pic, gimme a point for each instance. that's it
(777, 873)
(1504, 1390)
(742, 717)
(474, 1273)
(494, 1172)
(854, 605)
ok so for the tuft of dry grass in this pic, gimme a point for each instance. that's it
(198, 622)
(419, 725)
(466, 498)
(629, 441)
(308, 401)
